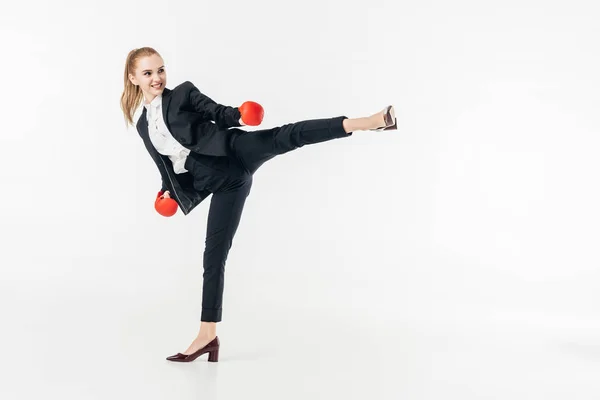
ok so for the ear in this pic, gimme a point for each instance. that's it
(133, 80)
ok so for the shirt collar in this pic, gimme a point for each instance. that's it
(154, 103)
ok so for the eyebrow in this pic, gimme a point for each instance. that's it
(151, 70)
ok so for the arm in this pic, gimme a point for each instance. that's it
(224, 116)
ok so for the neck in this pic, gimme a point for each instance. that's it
(148, 98)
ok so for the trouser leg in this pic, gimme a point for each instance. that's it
(255, 147)
(224, 216)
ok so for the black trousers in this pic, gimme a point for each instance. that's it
(229, 179)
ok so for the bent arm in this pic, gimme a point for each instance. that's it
(224, 116)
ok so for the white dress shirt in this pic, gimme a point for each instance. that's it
(161, 138)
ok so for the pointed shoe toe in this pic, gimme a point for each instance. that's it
(177, 357)
(211, 348)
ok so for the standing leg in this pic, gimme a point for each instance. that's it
(224, 216)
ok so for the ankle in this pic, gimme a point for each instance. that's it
(359, 124)
(207, 329)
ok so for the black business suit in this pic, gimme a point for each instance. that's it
(222, 161)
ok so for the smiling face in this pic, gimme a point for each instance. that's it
(150, 76)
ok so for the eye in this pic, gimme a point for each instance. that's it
(160, 70)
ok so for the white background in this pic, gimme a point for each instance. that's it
(454, 258)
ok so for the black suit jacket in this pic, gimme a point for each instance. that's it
(197, 123)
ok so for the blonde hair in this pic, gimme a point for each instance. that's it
(132, 94)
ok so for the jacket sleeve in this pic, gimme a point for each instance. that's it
(224, 116)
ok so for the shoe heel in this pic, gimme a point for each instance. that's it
(390, 115)
(213, 356)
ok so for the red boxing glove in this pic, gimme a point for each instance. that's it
(167, 207)
(252, 113)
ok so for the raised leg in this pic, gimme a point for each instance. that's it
(254, 148)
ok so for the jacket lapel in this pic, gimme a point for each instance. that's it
(166, 102)
(142, 124)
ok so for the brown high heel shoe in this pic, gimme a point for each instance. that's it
(212, 349)
(389, 119)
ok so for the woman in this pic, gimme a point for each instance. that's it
(199, 150)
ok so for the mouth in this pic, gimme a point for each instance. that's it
(159, 86)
